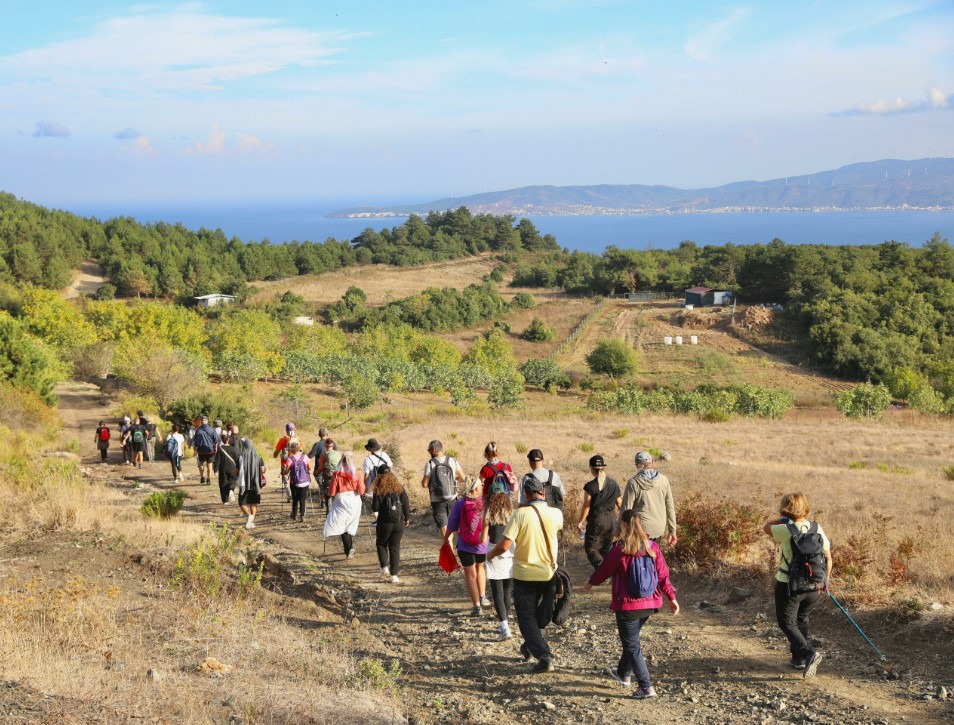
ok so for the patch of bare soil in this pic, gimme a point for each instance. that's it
(86, 280)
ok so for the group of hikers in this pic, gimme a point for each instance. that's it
(508, 530)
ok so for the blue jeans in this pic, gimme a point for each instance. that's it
(632, 661)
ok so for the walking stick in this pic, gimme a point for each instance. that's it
(838, 604)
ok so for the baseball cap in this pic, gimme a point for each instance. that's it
(597, 462)
(535, 455)
(289, 427)
(644, 457)
(205, 419)
(532, 484)
(218, 422)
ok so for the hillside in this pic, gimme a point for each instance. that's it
(894, 184)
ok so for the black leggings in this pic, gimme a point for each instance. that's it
(299, 495)
(348, 541)
(388, 539)
(102, 453)
(600, 529)
(501, 590)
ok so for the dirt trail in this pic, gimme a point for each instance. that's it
(86, 280)
(715, 663)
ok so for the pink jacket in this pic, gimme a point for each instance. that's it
(616, 564)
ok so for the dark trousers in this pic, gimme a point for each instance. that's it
(102, 453)
(348, 541)
(501, 590)
(792, 612)
(600, 530)
(534, 604)
(388, 540)
(226, 486)
(632, 662)
(299, 495)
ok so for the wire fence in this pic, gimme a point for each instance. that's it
(579, 327)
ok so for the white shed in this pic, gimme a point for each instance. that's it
(213, 300)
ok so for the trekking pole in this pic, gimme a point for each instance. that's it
(838, 604)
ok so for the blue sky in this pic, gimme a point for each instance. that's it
(234, 101)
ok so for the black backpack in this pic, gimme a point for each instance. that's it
(443, 482)
(808, 569)
(552, 495)
(563, 597)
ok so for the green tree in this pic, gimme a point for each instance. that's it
(25, 362)
(537, 331)
(614, 358)
(864, 401)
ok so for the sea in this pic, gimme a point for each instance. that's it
(590, 233)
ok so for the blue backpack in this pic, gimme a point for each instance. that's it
(642, 579)
(172, 447)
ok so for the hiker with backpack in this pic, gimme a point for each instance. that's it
(467, 521)
(136, 436)
(442, 473)
(323, 444)
(391, 509)
(124, 441)
(251, 478)
(554, 491)
(500, 570)
(375, 459)
(640, 579)
(175, 447)
(101, 437)
(227, 461)
(328, 463)
(205, 443)
(650, 495)
(344, 514)
(282, 451)
(495, 473)
(803, 573)
(599, 512)
(532, 534)
(298, 469)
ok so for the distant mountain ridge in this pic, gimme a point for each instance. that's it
(886, 184)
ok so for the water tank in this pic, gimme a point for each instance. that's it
(678, 339)
(667, 340)
(694, 339)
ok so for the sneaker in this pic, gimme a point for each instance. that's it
(385, 571)
(395, 580)
(301, 519)
(249, 522)
(543, 666)
(351, 554)
(811, 665)
(525, 652)
(484, 602)
(476, 611)
(504, 632)
(231, 496)
(201, 480)
(797, 663)
(624, 681)
(641, 693)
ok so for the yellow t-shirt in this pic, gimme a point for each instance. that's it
(531, 563)
(782, 535)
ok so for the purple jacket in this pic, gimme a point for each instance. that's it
(616, 564)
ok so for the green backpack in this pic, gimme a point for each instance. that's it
(137, 436)
(332, 459)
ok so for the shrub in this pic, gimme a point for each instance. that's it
(506, 391)
(216, 405)
(361, 392)
(587, 447)
(522, 448)
(864, 401)
(927, 400)
(712, 532)
(613, 357)
(545, 374)
(537, 331)
(207, 568)
(858, 465)
(620, 433)
(524, 300)
(163, 504)
(949, 473)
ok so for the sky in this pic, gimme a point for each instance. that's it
(240, 101)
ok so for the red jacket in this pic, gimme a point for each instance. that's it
(616, 565)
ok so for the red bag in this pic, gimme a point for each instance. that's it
(447, 559)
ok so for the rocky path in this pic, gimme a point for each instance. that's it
(714, 663)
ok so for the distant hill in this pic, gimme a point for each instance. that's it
(887, 184)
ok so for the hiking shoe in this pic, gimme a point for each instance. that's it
(249, 522)
(641, 693)
(504, 632)
(543, 666)
(624, 681)
(811, 665)
(385, 571)
(395, 580)
(202, 480)
(476, 612)
(351, 554)
(525, 652)
(484, 602)
(796, 663)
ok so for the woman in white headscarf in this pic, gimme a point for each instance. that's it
(344, 512)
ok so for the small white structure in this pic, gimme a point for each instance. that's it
(694, 339)
(690, 308)
(678, 339)
(307, 321)
(722, 298)
(213, 300)
(667, 340)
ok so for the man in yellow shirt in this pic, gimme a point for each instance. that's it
(532, 532)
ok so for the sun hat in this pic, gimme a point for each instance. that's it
(372, 446)
(644, 457)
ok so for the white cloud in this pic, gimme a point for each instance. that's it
(251, 144)
(127, 134)
(935, 100)
(705, 39)
(215, 146)
(141, 146)
(50, 129)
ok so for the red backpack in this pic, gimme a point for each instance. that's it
(104, 433)
(471, 530)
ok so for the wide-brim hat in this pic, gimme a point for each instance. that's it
(372, 446)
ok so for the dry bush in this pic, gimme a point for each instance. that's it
(713, 532)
